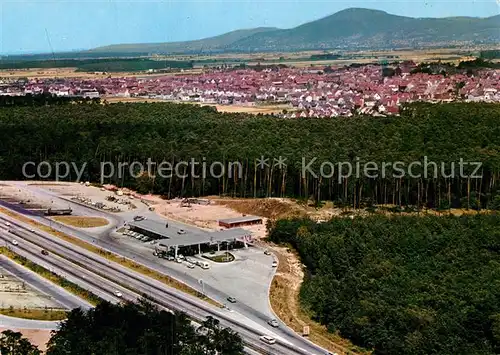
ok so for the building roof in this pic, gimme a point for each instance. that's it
(243, 219)
(191, 236)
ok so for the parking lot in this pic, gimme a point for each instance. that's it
(247, 278)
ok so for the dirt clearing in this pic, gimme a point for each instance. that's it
(38, 337)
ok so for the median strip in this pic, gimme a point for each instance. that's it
(167, 280)
(52, 277)
(35, 314)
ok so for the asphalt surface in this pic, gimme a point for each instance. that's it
(58, 294)
(110, 277)
(256, 314)
(11, 322)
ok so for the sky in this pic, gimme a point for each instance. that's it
(40, 26)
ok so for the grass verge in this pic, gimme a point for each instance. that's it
(52, 277)
(82, 222)
(167, 280)
(223, 258)
(35, 314)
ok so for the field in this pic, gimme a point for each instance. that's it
(295, 59)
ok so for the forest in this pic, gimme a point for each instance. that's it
(402, 284)
(129, 328)
(90, 134)
(96, 64)
(44, 99)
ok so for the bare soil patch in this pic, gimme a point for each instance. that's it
(272, 208)
(38, 337)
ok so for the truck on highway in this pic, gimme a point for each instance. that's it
(58, 212)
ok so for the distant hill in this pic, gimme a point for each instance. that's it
(362, 28)
(211, 44)
(353, 28)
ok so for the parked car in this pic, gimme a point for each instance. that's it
(190, 265)
(45, 252)
(273, 323)
(231, 299)
(14, 242)
(268, 339)
(179, 260)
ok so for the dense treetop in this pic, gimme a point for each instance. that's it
(403, 285)
(89, 133)
(139, 329)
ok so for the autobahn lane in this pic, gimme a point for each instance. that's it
(61, 296)
(283, 332)
(128, 279)
(88, 280)
(63, 268)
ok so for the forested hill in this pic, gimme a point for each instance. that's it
(403, 285)
(364, 28)
(352, 28)
(94, 133)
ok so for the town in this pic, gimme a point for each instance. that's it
(304, 92)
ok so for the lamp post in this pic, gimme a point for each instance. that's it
(200, 281)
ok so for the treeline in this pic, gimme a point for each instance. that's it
(325, 56)
(125, 133)
(134, 64)
(490, 54)
(403, 285)
(97, 64)
(44, 99)
(130, 328)
(465, 67)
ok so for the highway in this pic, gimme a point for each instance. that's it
(104, 278)
(109, 243)
(57, 293)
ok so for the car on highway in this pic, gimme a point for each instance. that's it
(273, 323)
(268, 339)
(274, 264)
(267, 252)
(32, 230)
(139, 218)
(14, 242)
(231, 299)
(118, 294)
(45, 252)
(7, 224)
(181, 231)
